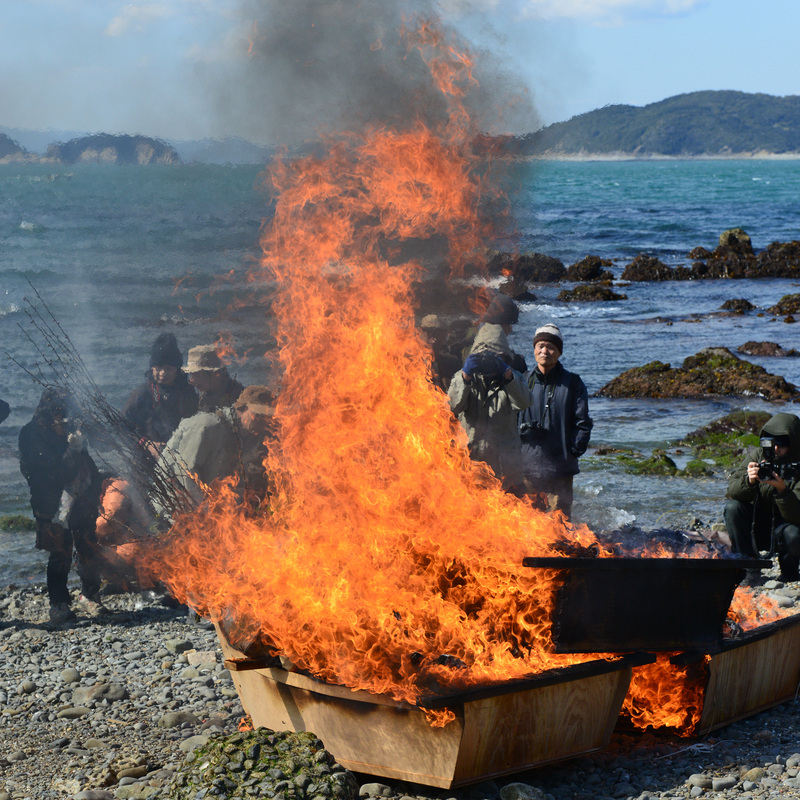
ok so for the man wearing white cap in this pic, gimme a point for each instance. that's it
(207, 373)
(555, 429)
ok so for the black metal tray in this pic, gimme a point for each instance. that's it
(618, 605)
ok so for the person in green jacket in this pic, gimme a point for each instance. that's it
(763, 508)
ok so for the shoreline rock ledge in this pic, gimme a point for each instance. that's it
(714, 371)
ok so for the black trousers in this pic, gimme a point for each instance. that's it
(59, 543)
(744, 521)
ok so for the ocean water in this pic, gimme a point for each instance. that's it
(119, 254)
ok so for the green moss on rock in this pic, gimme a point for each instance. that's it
(697, 468)
(659, 463)
(263, 763)
(724, 440)
(17, 522)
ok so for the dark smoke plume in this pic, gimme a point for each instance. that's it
(316, 66)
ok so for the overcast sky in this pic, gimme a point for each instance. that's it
(180, 69)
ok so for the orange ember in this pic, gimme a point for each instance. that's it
(663, 695)
(750, 610)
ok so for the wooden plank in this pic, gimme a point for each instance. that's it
(491, 735)
(749, 678)
(374, 738)
(514, 732)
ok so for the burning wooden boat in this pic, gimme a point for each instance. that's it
(613, 605)
(748, 674)
(497, 730)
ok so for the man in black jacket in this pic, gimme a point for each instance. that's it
(56, 464)
(555, 429)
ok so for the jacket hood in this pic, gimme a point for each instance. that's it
(491, 337)
(783, 424)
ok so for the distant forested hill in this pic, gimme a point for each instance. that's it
(109, 148)
(9, 148)
(694, 124)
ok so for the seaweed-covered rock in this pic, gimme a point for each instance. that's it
(517, 289)
(739, 305)
(700, 254)
(533, 267)
(766, 349)
(659, 463)
(589, 293)
(714, 371)
(724, 440)
(590, 268)
(263, 763)
(788, 304)
(781, 260)
(649, 268)
(736, 241)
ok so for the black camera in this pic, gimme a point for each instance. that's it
(769, 466)
(532, 432)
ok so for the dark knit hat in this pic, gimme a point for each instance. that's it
(165, 352)
(549, 333)
(54, 402)
(501, 311)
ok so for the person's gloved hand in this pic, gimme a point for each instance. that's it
(484, 363)
(472, 365)
(77, 441)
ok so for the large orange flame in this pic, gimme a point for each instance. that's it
(388, 560)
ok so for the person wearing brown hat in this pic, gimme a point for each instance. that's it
(217, 444)
(155, 407)
(555, 429)
(207, 373)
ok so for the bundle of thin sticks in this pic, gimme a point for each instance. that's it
(60, 366)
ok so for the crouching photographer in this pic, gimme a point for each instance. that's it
(763, 508)
(486, 395)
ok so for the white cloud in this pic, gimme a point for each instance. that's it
(609, 11)
(137, 17)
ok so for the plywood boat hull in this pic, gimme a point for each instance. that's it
(497, 731)
(753, 673)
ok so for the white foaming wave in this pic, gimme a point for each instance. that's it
(31, 227)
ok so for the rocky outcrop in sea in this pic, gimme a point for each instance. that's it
(714, 371)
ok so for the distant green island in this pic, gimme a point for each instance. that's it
(712, 124)
(697, 124)
(101, 148)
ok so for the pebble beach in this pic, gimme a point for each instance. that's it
(111, 706)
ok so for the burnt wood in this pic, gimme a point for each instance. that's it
(616, 605)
